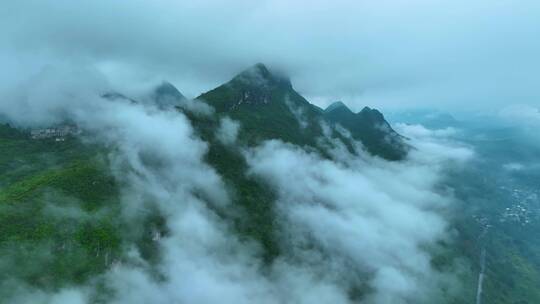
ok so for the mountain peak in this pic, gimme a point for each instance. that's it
(166, 89)
(336, 105)
(166, 95)
(370, 127)
(254, 86)
(261, 69)
(259, 75)
(373, 115)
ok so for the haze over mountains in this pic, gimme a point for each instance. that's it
(243, 192)
(268, 107)
(383, 152)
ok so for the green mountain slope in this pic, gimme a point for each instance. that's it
(268, 107)
(264, 105)
(369, 127)
(42, 179)
(39, 181)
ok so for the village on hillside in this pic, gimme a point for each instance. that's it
(59, 133)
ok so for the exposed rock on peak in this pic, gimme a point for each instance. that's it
(254, 86)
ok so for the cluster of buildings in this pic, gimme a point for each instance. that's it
(522, 211)
(522, 208)
(58, 133)
(518, 214)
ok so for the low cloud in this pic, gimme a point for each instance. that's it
(435, 145)
(156, 155)
(369, 216)
(227, 131)
(341, 222)
(27, 295)
(298, 113)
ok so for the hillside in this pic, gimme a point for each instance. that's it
(70, 196)
(369, 127)
(61, 192)
(268, 107)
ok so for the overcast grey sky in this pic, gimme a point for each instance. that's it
(387, 54)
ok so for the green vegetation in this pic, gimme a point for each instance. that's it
(251, 196)
(59, 202)
(268, 107)
(258, 100)
(57, 207)
(512, 248)
(369, 127)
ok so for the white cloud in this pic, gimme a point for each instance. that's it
(435, 145)
(340, 222)
(156, 155)
(298, 113)
(23, 294)
(366, 214)
(227, 131)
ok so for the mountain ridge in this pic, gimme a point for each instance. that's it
(262, 100)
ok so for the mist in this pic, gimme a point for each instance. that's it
(386, 54)
(340, 221)
(350, 227)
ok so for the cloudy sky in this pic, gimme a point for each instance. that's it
(478, 54)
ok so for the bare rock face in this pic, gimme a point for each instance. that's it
(252, 97)
(256, 85)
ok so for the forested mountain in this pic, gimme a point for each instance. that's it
(252, 176)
